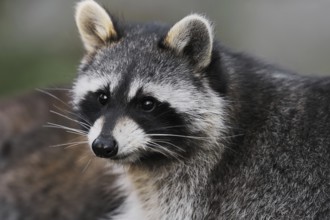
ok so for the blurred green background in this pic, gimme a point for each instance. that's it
(40, 46)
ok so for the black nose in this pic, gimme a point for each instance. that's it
(105, 147)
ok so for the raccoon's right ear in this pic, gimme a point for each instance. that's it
(192, 37)
(94, 24)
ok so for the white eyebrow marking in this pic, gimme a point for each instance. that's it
(176, 95)
(134, 87)
(89, 83)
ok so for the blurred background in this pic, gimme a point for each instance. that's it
(40, 46)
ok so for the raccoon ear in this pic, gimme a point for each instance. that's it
(94, 24)
(192, 36)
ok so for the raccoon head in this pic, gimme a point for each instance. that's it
(145, 88)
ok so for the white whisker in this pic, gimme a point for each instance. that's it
(73, 114)
(66, 129)
(166, 152)
(80, 134)
(53, 125)
(173, 145)
(161, 128)
(181, 136)
(64, 116)
(66, 144)
(83, 158)
(73, 145)
(87, 165)
(53, 96)
(58, 89)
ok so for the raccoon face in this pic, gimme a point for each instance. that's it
(144, 88)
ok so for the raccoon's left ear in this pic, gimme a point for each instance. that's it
(95, 25)
(193, 37)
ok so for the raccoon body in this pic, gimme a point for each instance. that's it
(202, 132)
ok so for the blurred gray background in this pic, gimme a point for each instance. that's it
(40, 46)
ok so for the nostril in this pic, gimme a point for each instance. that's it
(105, 148)
(111, 151)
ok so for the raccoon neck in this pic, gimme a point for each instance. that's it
(174, 191)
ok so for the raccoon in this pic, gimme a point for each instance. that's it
(201, 131)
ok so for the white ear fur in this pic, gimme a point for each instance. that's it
(94, 24)
(194, 32)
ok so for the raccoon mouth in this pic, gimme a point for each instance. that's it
(120, 157)
(125, 158)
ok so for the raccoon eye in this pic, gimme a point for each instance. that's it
(103, 98)
(148, 104)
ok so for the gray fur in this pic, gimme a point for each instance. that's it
(267, 151)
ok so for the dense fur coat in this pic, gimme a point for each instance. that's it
(202, 132)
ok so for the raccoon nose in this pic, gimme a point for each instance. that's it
(105, 147)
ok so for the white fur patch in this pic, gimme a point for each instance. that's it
(131, 210)
(134, 87)
(87, 83)
(95, 130)
(129, 136)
